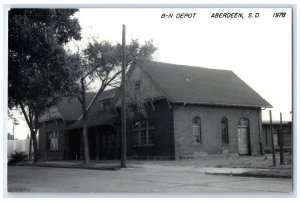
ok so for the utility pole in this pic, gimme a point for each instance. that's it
(272, 139)
(13, 136)
(15, 123)
(123, 101)
(281, 141)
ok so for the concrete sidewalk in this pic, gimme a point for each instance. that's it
(251, 172)
(196, 166)
(73, 164)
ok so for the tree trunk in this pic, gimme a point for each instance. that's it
(35, 147)
(33, 131)
(30, 147)
(86, 153)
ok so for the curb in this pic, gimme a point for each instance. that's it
(249, 174)
(108, 168)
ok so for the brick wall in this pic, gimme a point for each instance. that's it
(162, 116)
(50, 126)
(211, 129)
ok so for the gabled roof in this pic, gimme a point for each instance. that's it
(70, 108)
(93, 120)
(187, 84)
(108, 94)
(95, 116)
(50, 114)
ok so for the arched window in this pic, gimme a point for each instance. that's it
(225, 136)
(197, 130)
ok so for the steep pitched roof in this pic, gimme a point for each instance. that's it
(189, 84)
(108, 94)
(93, 120)
(70, 108)
(50, 114)
(95, 117)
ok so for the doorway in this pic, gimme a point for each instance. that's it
(243, 137)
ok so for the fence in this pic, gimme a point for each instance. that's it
(18, 146)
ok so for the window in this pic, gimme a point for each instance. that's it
(225, 136)
(52, 140)
(197, 130)
(243, 122)
(101, 106)
(52, 112)
(137, 85)
(143, 133)
(104, 106)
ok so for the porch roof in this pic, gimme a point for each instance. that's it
(99, 120)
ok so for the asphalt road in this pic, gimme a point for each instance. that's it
(139, 179)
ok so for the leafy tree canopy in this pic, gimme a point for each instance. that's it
(102, 61)
(40, 71)
(38, 64)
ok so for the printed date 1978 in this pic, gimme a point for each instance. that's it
(279, 15)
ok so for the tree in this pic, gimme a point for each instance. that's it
(102, 61)
(40, 71)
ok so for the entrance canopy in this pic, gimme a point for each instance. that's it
(92, 121)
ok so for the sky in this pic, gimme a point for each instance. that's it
(258, 49)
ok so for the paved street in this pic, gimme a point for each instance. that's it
(143, 178)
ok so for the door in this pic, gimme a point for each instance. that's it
(243, 140)
(74, 145)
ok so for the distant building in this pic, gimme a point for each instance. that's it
(286, 134)
(189, 112)
(10, 136)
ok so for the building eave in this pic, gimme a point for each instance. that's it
(220, 104)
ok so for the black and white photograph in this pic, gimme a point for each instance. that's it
(152, 100)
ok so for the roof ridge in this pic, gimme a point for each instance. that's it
(189, 66)
(205, 85)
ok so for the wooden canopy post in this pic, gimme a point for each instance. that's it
(272, 139)
(281, 141)
(97, 144)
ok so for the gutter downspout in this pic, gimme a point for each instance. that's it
(260, 132)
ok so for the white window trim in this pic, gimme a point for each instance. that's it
(51, 139)
(225, 119)
(198, 136)
(139, 134)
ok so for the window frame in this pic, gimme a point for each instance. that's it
(137, 85)
(224, 131)
(137, 133)
(52, 139)
(196, 128)
(104, 106)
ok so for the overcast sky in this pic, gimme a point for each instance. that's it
(258, 50)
